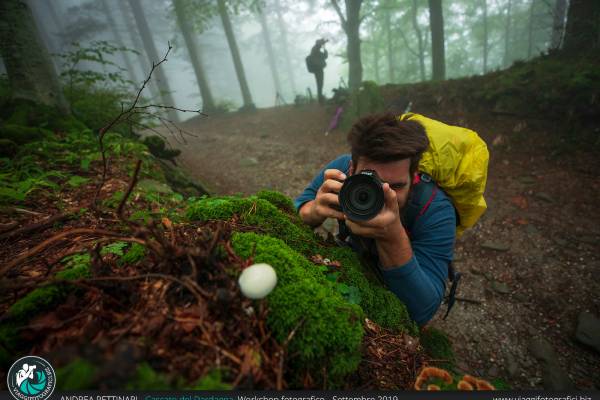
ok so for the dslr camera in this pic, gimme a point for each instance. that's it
(361, 197)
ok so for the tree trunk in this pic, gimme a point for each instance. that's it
(388, 38)
(353, 45)
(161, 78)
(419, 40)
(115, 30)
(235, 55)
(30, 71)
(284, 41)
(438, 60)
(270, 54)
(143, 63)
(583, 26)
(485, 37)
(191, 43)
(505, 58)
(558, 23)
(530, 33)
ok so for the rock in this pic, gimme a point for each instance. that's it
(500, 287)
(512, 366)
(531, 230)
(521, 297)
(528, 180)
(493, 371)
(248, 162)
(150, 185)
(588, 330)
(561, 242)
(553, 376)
(544, 196)
(491, 245)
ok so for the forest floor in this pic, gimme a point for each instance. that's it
(529, 267)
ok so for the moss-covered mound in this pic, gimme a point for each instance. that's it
(379, 304)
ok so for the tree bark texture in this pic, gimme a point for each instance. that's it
(208, 103)
(421, 48)
(351, 25)
(438, 58)
(160, 77)
(583, 26)
(530, 30)
(30, 71)
(284, 41)
(558, 23)
(270, 53)
(235, 55)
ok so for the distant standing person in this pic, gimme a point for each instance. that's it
(315, 63)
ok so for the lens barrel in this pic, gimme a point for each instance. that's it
(361, 197)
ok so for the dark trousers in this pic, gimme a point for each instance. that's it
(319, 76)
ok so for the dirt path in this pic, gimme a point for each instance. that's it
(542, 220)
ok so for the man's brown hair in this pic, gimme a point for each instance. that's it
(384, 138)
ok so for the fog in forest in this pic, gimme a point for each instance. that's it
(395, 42)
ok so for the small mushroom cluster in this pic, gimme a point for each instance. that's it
(467, 382)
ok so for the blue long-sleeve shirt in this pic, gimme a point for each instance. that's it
(420, 283)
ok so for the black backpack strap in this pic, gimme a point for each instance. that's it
(454, 277)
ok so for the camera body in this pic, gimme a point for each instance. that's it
(361, 197)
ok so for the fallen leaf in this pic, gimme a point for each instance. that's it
(520, 202)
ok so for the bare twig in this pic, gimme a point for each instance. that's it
(36, 226)
(129, 189)
(54, 239)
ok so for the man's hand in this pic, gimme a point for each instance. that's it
(393, 245)
(385, 224)
(326, 201)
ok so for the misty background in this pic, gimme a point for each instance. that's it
(480, 36)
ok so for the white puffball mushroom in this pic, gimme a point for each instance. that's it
(257, 281)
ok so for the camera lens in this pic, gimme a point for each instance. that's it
(361, 197)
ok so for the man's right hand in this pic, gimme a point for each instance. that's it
(325, 203)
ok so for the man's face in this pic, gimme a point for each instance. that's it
(396, 173)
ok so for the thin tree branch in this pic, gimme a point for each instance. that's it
(339, 13)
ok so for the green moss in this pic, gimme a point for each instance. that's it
(77, 375)
(380, 304)
(43, 298)
(278, 199)
(212, 381)
(148, 379)
(256, 212)
(135, 253)
(329, 330)
(438, 347)
(499, 384)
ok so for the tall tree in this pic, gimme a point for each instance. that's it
(351, 25)
(583, 26)
(134, 36)
(438, 58)
(485, 37)
(30, 71)
(235, 55)
(387, 22)
(285, 44)
(269, 47)
(530, 29)
(558, 23)
(505, 58)
(161, 78)
(115, 31)
(421, 48)
(208, 103)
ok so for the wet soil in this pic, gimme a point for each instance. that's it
(530, 266)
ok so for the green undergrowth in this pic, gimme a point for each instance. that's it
(38, 301)
(438, 347)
